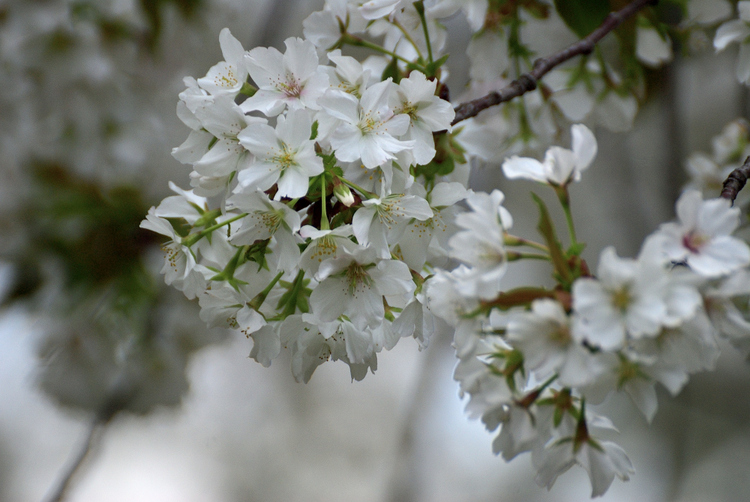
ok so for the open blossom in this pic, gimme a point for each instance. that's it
(228, 76)
(481, 244)
(292, 79)
(179, 261)
(284, 155)
(702, 237)
(268, 219)
(427, 112)
(354, 285)
(313, 342)
(382, 221)
(544, 336)
(560, 166)
(626, 298)
(369, 127)
(324, 245)
(224, 120)
(602, 460)
(428, 238)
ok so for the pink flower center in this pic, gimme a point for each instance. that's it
(694, 241)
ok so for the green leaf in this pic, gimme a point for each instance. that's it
(583, 16)
(547, 230)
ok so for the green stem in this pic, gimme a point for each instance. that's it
(419, 6)
(324, 225)
(516, 256)
(562, 194)
(291, 306)
(409, 38)
(512, 240)
(257, 302)
(360, 42)
(192, 239)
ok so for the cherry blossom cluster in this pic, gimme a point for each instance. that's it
(322, 231)
(530, 359)
(329, 216)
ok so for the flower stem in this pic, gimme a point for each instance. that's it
(361, 42)
(562, 194)
(515, 256)
(409, 38)
(192, 239)
(324, 225)
(258, 300)
(419, 6)
(512, 240)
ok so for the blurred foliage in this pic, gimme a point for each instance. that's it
(114, 29)
(92, 234)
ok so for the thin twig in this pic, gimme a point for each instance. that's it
(736, 181)
(528, 81)
(91, 436)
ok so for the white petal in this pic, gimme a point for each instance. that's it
(524, 167)
(733, 31)
(584, 145)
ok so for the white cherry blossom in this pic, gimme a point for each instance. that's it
(702, 239)
(560, 166)
(354, 285)
(284, 155)
(380, 222)
(228, 76)
(292, 79)
(626, 298)
(427, 112)
(369, 128)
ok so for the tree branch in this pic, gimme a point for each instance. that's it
(528, 81)
(736, 181)
(58, 494)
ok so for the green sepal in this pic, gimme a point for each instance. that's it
(228, 273)
(295, 298)
(248, 89)
(392, 71)
(257, 252)
(576, 249)
(448, 152)
(180, 226)
(547, 230)
(431, 70)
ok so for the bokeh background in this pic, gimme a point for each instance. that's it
(88, 91)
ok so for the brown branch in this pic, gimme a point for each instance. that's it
(736, 181)
(528, 81)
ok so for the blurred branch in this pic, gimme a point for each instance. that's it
(528, 81)
(736, 181)
(92, 436)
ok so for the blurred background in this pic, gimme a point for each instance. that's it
(89, 334)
